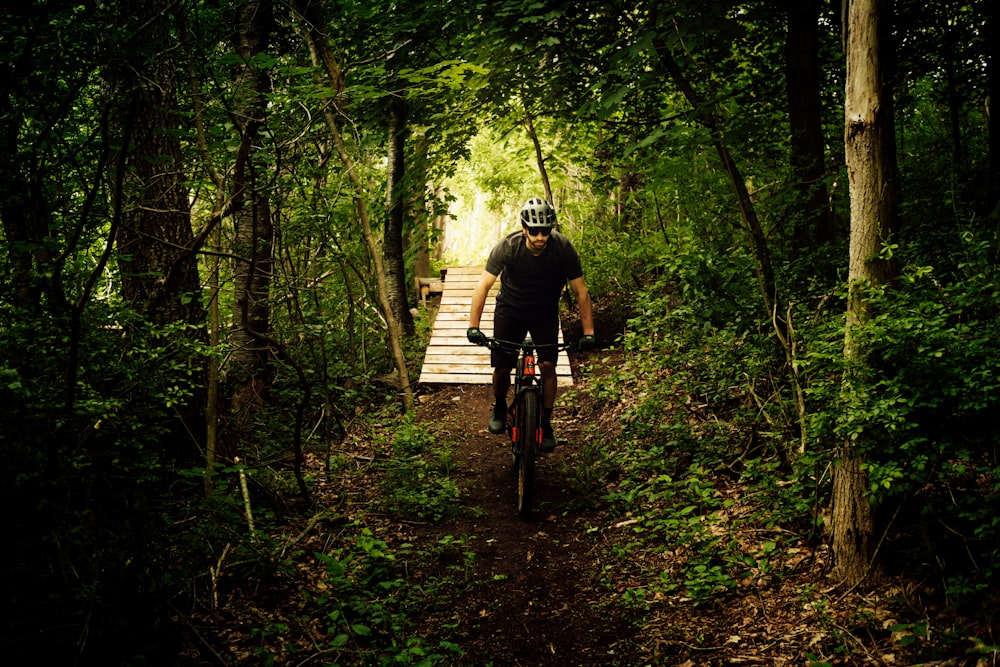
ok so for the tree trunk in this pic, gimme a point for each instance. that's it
(155, 238)
(254, 230)
(873, 182)
(155, 242)
(421, 229)
(993, 73)
(23, 212)
(852, 520)
(312, 26)
(539, 155)
(954, 97)
(395, 205)
(813, 222)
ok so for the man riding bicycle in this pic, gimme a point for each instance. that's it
(536, 263)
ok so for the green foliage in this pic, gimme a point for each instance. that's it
(922, 397)
(359, 613)
(688, 516)
(920, 407)
(416, 481)
(95, 471)
(90, 394)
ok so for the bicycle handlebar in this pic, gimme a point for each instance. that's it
(511, 346)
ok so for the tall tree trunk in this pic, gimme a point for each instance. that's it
(155, 238)
(212, 234)
(993, 120)
(874, 190)
(954, 97)
(315, 37)
(421, 229)
(155, 242)
(254, 230)
(813, 224)
(395, 205)
(22, 211)
(543, 172)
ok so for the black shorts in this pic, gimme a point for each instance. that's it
(511, 325)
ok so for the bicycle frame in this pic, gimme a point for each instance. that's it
(524, 416)
(525, 381)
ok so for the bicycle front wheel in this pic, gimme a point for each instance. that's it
(529, 444)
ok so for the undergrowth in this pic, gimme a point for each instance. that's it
(715, 466)
(361, 611)
(416, 481)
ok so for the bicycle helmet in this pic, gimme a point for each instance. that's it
(537, 212)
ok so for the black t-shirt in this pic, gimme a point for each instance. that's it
(527, 281)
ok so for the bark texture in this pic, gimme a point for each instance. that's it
(254, 229)
(814, 223)
(873, 182)
(155, 242)
(393, 247)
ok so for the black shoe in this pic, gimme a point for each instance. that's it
(548, 440)
(498, 421)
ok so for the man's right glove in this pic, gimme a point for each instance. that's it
(588, 342)
(475, 336)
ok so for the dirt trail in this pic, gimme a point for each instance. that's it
(537, 599)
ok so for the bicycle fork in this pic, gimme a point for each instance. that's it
(525, 381)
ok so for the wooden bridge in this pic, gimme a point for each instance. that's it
(450, 358)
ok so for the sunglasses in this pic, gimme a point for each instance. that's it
(544, 231)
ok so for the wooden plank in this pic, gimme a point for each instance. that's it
(468, 350)
(452, 316)
(451, 365)
(471, 364)
(474, 378)
(464, 292)
(463, 309)
(464, 378)
(456, 337)
(448, 325)
(472, 356)
(563, 366)
(449, 354)
(450, 358)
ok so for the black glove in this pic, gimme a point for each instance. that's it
(588, 342)
(475, 336)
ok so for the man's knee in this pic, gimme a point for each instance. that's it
(548, 368)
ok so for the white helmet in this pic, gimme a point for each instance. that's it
(536, 213)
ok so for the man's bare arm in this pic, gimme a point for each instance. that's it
(583, 302)
(479, 294)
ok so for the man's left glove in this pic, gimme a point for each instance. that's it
(475, 336)
(588, 342)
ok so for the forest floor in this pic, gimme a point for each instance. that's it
(558, 589)
(566, 586)
(553, 589)
(541, 595)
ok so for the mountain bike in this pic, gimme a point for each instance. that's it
(524, 415)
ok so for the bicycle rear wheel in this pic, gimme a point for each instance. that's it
(528, 444)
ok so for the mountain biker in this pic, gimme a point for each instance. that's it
(535, 262)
